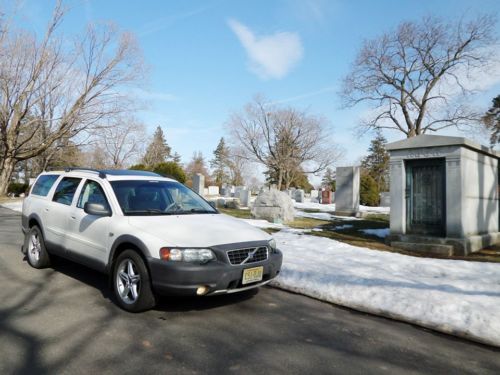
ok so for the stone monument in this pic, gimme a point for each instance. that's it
(444, 195)
(199, 183)
(347, 191)
(274, 206)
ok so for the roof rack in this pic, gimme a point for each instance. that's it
(98, 171)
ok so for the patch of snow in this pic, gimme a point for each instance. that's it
(15, 205)
(342, 227)
(456, 297)
(323, 216)
(263, 224)
(381, 233)
(331, 207)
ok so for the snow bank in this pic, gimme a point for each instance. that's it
(15, 205)
(456, 297)
(331, 207)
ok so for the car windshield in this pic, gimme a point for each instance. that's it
(142, 197)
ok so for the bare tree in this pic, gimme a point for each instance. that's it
(122, 140)
(415, 76)
(61, 87)
(283, 139)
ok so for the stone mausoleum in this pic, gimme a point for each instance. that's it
(444, 195)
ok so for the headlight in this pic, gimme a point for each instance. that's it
(272, 245)
(187, 255)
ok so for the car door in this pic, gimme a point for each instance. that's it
(88, 235)
(57, 211)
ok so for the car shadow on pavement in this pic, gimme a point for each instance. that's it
(100, 282)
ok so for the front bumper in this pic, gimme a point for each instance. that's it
(180, 278)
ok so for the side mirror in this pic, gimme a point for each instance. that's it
(96, 209)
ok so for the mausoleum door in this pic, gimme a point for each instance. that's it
(426, 197)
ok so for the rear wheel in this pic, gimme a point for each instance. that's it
(37, 254)
(131, 283)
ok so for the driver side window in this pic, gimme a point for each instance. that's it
(92, 193)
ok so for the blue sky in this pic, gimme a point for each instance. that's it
(209, 58)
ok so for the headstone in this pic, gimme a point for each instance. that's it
(205, 192)
(245, 197)
(326, 197)
(223, 191)
(299, 196)
(221, 202)
(199, 183)
(213, 190)
(385, 199)
(237, 191)
(347, 193)
(314, 194)
(274, 206)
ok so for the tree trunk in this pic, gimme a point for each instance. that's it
(6, 174)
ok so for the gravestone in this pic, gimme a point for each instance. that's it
(326, 197)
(274, 206)
(245, 197)
(299, 196)
(199, 184)
(213, 190)
(444, 195)
(314, 195)
(347, 192)
(385, 199)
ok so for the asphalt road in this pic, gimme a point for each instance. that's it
(63, 320)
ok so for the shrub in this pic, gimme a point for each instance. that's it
(368, 191)
(17, 188)
(171, 169)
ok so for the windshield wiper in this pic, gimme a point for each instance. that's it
(150, 211)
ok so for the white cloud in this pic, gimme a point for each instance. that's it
(271, 56)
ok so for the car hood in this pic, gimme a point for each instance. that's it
(198, 230)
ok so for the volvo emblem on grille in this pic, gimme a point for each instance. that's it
(250, 255)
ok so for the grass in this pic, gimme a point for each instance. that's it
(240, 214)
(4, 199)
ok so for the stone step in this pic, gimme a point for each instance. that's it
(424, 248)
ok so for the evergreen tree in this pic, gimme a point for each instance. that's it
(197, 165)
(176, 158)
(376, 163)
(328, 180)
(368, 191)
(220, 163)
(158, 150)
(492, 121)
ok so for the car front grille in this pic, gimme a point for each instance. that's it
(247, 256)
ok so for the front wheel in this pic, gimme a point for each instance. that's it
(131, 283)
(37, 254)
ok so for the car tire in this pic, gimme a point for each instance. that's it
(132, 283)
(37, 254)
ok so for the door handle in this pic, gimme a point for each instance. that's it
(73, 217)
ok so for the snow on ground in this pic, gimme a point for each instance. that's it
(16, 205)
(456, 297)
(331, 207)
(382, 233)
(323, 216)
(263, 224)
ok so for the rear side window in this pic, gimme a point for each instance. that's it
(66, 190)
(43, 184)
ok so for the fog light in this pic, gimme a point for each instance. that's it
(202, 290)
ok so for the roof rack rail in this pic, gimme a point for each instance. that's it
(98, 171)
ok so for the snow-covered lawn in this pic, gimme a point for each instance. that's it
(331, 207)
(456, 297)
(16, 205)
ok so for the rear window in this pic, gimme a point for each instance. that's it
(43, 184)
(66, 190)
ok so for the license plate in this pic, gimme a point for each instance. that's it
(252, 275)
